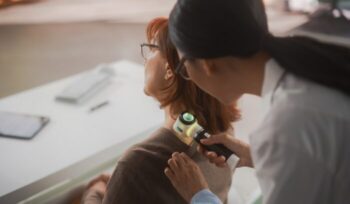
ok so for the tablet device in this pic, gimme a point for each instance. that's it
(21, 126)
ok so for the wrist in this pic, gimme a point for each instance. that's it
(198, 190)
(205, 196)
(247, 163)
(246, 156)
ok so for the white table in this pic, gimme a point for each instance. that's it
(74, 137)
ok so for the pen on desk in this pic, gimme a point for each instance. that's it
(98, 106)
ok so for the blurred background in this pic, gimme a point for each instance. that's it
(46, 40)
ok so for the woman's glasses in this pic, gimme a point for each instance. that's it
(181, 69)
(147, 50)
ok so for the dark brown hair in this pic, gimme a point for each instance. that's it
(183, 95)
(203, 29)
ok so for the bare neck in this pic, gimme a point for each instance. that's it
(168, 119)
(255, 71)
(168, 124)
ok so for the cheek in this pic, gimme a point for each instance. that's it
(149, 78)
(199, 78)
(207, 84)
(154, 76)
(148, 73)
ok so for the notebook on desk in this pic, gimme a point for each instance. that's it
(21, 126)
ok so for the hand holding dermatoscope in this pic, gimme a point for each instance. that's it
(186, 125)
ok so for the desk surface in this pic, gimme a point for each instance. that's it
(74, 133)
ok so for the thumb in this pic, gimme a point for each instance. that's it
(215, 139)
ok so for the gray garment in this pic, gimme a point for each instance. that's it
(139, 176)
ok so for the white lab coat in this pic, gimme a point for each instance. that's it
(301, 150)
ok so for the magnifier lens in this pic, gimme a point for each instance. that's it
(188, 117)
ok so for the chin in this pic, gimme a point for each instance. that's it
(233, 100)
(225, 101)
(228, 101)
(146, 92)
(222, 99)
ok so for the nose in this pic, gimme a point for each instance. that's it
(144, 61)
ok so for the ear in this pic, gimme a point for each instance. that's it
(208, 66)
(168, 72)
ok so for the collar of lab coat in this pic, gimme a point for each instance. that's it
(272, 76)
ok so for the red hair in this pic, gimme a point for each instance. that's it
(183, 95)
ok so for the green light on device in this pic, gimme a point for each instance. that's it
(188, 117)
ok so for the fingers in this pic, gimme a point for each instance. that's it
(182, 160)
(219, 161)
(185, 175)
(212, 156)
(188, 162)
(179, 161)
(173, 165)
(215, 139)
(215, 159)
(239, 147)
(169, 173)
(200, 149)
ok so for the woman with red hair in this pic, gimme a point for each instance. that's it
(139, 176)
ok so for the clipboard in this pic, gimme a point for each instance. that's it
(21, 126)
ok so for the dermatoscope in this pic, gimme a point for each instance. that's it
(186, 125)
